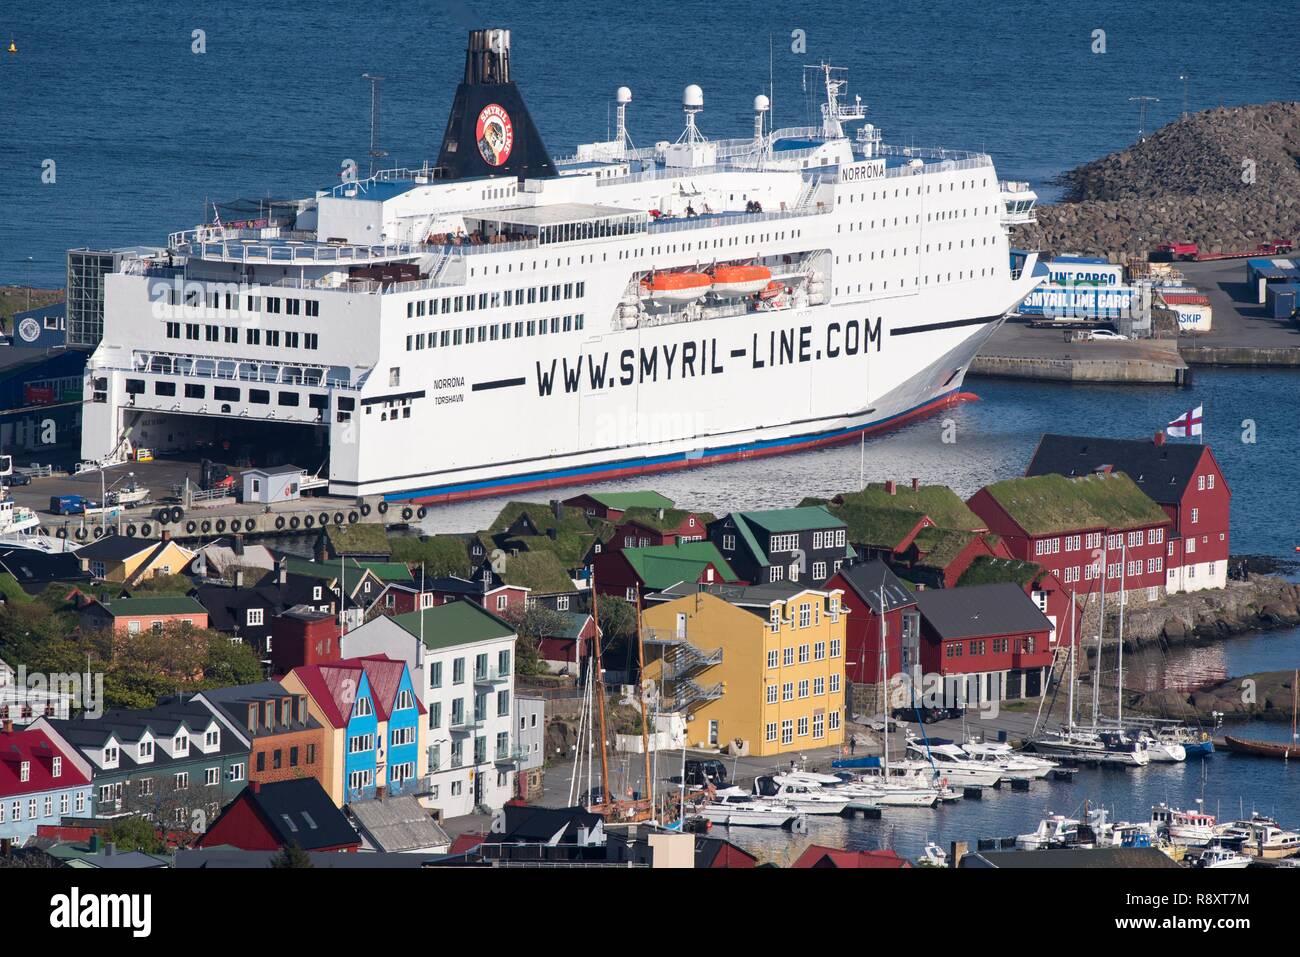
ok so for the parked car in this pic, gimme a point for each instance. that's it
(1107, 335)
(703, 772)
(68, 504)
(18, 478)
(927, 715)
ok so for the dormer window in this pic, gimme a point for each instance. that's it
(363, 708)
(212, 739)
(110, 756)
(316, 593)
(146, 749)
(25, 771)
(181, 743)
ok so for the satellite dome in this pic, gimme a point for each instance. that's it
(693, 96)
(761, 103)
(624, 95)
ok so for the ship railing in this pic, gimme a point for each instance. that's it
(291, 252)
(930, 152)
(735, 218)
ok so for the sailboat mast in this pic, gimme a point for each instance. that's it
(1073, 610)
(600, 695)
(884, 669)
(1123, 600)
(1101, 624)
(645, 734)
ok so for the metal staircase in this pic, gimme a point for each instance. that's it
(683, 663)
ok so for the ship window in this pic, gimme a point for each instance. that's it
(259, 396)
(313, 307)
(532, 327)
(164, 388)
(444, 337)
(193, 391)
(224, 393)
(135, 386)
(519, 329)
(555, 323)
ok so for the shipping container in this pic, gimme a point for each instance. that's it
(1065, 270)
(1081, 302)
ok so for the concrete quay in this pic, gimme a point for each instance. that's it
(1016, 351)
(1242, 334)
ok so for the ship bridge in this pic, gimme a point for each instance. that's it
(556, 223)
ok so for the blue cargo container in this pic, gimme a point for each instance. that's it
(1078, 302)
(1282, 299)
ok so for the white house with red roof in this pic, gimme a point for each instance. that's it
(41, 781)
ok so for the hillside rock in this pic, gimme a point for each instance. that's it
(1225, 179)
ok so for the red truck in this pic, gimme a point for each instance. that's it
(1274, 247)
(1188, 251)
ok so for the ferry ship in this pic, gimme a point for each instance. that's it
(505, 320)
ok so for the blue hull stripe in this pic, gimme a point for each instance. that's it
(648, 462)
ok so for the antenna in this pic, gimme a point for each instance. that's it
(1184, 77)
(1143, 103)
(692, 104)
(375, 151)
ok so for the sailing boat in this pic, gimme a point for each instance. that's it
(1271, 749)
(1091, 745)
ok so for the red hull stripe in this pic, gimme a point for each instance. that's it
(630, 467)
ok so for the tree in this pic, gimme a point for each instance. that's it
(617, 621)
(532, 624)
(134, 833)
(291, 855)
(230, 663)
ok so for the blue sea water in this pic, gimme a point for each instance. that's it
(143, 131)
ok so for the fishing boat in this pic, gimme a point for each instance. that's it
(1222, 858)
(807, 797)
(1192, 828)
(744, 810)
(933, 856)
(1055, 830)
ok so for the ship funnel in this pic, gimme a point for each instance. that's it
(489, 131)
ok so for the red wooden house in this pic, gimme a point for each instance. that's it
(993, 635)
(1075, 526)
(864, 586)
(643, 527)
(627, 572)
(267, 817)
(610, 506)
(1183, 478)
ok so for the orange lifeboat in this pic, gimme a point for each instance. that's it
(734, 281)
(771, 290)
(673, 287)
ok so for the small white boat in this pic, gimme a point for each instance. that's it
(1164, 750)
(1190, 828)
(744, 810)
(808, 798)
(1055, 830)
(1262, 837)
(1222, 857)
(1013, 763)
(933, 856)
(954, 765)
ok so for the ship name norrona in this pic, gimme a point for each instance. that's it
(456, 382)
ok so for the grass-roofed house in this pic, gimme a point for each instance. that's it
(631, 572)
(1071, 526)
(641, 527)
(806, 544)
(610, 506)
(364, 540)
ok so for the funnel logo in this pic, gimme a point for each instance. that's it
(495, 134)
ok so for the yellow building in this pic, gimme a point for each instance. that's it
(120, 558)
(761, 666)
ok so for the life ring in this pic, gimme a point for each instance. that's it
(190, 527)
(353, 517)
(130, 531)
(406, 514)
(279, 521)
(365, 508)
(421, 512)
(383, 508)
(145, 529)
(177, 513)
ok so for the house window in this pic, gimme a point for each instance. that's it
(819, 570)
(787, 656)
(804, 651)
(803, 688)
(562, 603)
(787, 691)
(787, 732)
(769, 731)
(254, 616)
(803, 727)
(776, 573)
(235, 772)
(728, 543)
(835, 647)
(835, 682)
(501, 602)
(819, 725)
(1196, 515)
(771, 694)
(182, 781)
(364, 708)
(772, 658)
(212, 777)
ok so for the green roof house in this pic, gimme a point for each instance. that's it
(804, 544)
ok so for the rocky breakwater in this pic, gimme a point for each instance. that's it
(1266, 695)
(1226, 179)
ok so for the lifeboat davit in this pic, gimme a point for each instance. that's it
(735, 281)
(676, 286)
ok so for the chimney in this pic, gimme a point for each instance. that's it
(556, 508)
(916, 485)
(109, 849)
(165, 535)
(281, 572)
(255, 787)
(9, 726)
(1160, 438)
(891, 487)
(237, 546)
(239, 578)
